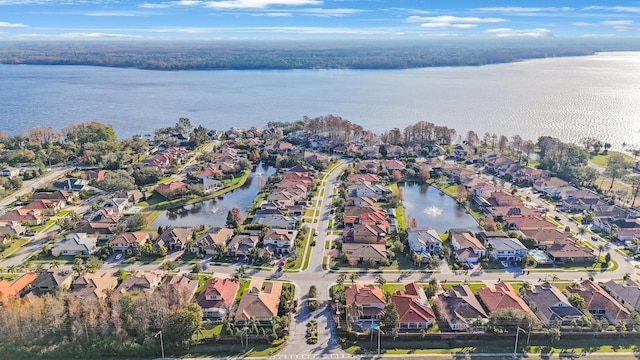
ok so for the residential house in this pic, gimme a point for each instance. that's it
(208, 242)
(369, 190)
(8, 171)
(129, 241)
(361, 201)
(366, 178)
(567, 251)
(365, 234)
(280, 241)
(371, 300)
(362, 252)
(578, 204)
(460, 308)
(24, 216)
(45, 207)
(74, 244)
(12, 228)
(172, 190)
(391, 165)
(461, 151)
(275, 221)
(550, 305)
(94, 285)
(217, 297)
(466, 246)
(50, 281)
(182, 285)
(549, 186)
(547, 237)
(95, 175)
(523, 223)
(502, 296)
(371, 152)
(627, 293)
(558, 192)
(173, 238)
(116, 205)
(599, 303)
(367, 166)
(413, 307)
(261, 305)
(140, 281)
(51, 195)
(462, 175)
(425, 241)
(242, 244)
(72, 184)
(506, 249)
(211, 178)
(17, 287)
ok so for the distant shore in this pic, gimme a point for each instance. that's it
(364, 55)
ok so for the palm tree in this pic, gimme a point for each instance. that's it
(347, 323)
(341, 279)
(381, 280)
(353, 277)
(601, 248)
(526, 286)
(489, 246)
(12, 269)
(55, 264)
(554, 278)
(581, 231)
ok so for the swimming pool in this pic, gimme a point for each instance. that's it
(539, 256)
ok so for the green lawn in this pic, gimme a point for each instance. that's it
(601, 160)
(15, 245)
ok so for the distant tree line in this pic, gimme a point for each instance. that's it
(343, 54)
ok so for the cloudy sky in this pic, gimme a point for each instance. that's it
(283, 19)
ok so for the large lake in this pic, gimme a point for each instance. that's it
(570, 98)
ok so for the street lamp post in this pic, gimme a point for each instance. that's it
(515, 347)
(161, 342)
(377, 327)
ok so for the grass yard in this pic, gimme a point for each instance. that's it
(15, 245)
(601, 159)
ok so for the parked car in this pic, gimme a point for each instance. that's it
(504, 264)
(118, 256)
(30, 233)
(315, 233)
(594, 237)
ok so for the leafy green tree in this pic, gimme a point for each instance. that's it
(576, 300)
(390, 317)
(136, 222)
(511, 319)
(617, 167)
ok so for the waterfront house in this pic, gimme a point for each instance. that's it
(259, 304)
(217, 297)
(424, 241)
(173, 238)
(207, 243)
(466, 246)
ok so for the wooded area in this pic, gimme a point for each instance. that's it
(280, 55)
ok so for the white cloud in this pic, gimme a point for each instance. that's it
(282, 29)
(320, 12)
(522, 10)
(629, 9)
(617, 23)
(115, 14)
(447, 26)
(454, 19)
(257, 4)
(11, 25)
(273, 14)
(168, 4)
(93, 35)
(583, 24)
(508, 32)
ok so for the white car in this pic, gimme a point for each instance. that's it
(504, 264)
(118, 256)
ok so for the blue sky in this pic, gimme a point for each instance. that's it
(301, 19)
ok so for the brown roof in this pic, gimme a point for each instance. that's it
(569, 249)
(411, 306)
(466, 240)
(183, 284)
(546, 236)
(138, 237)
(377, 252)
(502, 296)
(530, 222)
(363, 294)
(260, 304)
(94, 285)
(595, 298)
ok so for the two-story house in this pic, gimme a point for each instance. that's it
(365, 302)
(217, 297)
(425, 241)
(280, 241)
(506, 248)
